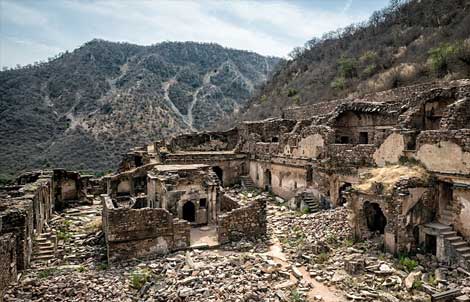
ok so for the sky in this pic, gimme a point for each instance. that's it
(33, 30)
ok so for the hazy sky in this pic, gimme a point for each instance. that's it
(32, 30)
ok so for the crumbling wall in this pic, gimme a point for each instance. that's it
(8, 268)
(145, 232)
(246, 222)
(17, 218)
(351, 155)
(205, 141)
(390, 150)
(457, 115)
(461, 196)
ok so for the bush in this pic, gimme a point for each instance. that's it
(338, 83)
(291, 92)
(347, 67)
(408, 264)
(296, 296)
(139, 278)
(440, 58)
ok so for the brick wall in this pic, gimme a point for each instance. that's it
(246, 222)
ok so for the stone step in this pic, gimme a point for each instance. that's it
(439, 226)
(454, 238)
(459, 244)
(45, 252)
(466, 256)
(43, 257)
(463, 250)
(449, 234)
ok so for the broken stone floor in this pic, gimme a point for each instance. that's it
(304, 258)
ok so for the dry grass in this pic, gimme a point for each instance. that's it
(388, 176)
(93, 226)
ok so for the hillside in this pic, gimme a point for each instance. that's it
(103, 98)
(409, 42)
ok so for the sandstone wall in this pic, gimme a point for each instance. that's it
(228, 203)
(245, 222)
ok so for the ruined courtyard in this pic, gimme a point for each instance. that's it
(362, 199)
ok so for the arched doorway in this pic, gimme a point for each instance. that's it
(220, 174)
(267, 180)
(375, 218)
(189, 211)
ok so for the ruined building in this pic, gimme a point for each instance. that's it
(399, 159)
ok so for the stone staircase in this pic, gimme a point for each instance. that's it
(44, 250)
(247, 183)
(447, 215)
(455, 245)
(215, 179)
(311, 202)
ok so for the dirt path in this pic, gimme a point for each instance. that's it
(318, 289)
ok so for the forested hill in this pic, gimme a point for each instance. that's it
(83, 109)
(408, 42)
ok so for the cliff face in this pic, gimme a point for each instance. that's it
(101, 99)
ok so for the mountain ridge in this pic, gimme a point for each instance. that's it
(105, 97)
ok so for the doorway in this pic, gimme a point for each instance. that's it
(189, 211)
(220, 174)
(267, 180)
(375, 218)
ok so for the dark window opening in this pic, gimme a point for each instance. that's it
(138, 161)
(431, 244)
(275, 139)
(203, 203)
(344, 140)
(363, 138)
(375, 218)
(189, 211)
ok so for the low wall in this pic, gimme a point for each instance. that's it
(145, 232)
(351, 155)
(246, 222)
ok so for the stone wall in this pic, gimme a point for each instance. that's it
(138, 233)
(7, 261)
(17, 218)
(445, 151)
(351, 155)
(457, 115)
(205, 141)
(245, 222)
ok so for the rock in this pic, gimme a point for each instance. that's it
(412, 278)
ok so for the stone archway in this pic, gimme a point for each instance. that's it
(375, 218)
(189, 211)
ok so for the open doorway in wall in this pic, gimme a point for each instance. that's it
(430, 244)
(267, 180)
(343, 189)
(220, 174)
(375, 218)
(189, 211)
